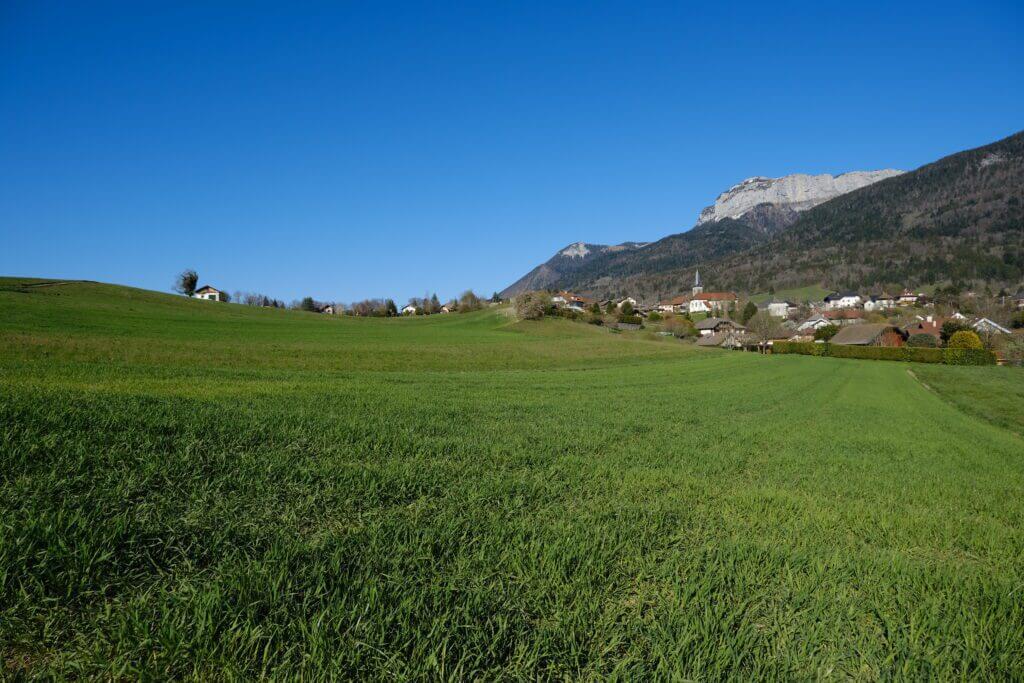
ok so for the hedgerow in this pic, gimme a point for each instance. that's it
(895, 353)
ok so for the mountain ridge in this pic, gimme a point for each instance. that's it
(900, 229)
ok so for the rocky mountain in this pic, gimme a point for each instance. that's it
(565, 264)
(797, 192)
(958, 219)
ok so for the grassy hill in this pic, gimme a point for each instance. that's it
(201, 490)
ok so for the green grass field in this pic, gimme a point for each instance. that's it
(207, 491)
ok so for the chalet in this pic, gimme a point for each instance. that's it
(879, 302)
(906, 298)
(873, 334)
(986, 326)
(813, 323)
(209, 293)
(840, 300)
(710, 326)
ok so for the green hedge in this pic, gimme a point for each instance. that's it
(631, 319)
(897, 353)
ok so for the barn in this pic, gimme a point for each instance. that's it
(875, 334)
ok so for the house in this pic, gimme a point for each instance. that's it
(710, 326)
(928, 325)
(986, 326)
(569, 299)
(840, 300)
(678, 304)
(845, 316)
(780, 309)
(449, 307)
(906, 298)
(1018, 299)
(209, 293)
(628, 300)
(409, 310)
(873, 334)
(879, 302)
(328, 309)
(813, 323)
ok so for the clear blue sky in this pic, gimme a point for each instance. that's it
(346, 150)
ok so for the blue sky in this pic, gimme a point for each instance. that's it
(346, 150)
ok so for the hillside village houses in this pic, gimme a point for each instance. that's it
(699, 301)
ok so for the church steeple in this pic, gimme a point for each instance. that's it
(697, 288)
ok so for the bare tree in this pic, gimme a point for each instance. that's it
(187, 282)
(469, 301)
(531, 305)
(764, 327)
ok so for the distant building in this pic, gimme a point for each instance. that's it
(986, 326)
(838, 300)
(906, 298)
(845, 316)
(875, 334)
(409, 310)
(879, 302)
(571, 300)
(208, 293)
(780, 309)
(678, 304)
(928, 325)
(710, 326)
(813, 323)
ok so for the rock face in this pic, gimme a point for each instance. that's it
(566, 262)
(797, 192)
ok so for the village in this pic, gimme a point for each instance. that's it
(722, 319)
(725, 320)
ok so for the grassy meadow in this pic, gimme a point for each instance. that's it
(207, 491)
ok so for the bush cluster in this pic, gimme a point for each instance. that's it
(897, 353)
(631, 319)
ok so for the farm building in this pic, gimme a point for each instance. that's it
(710, 326)
(208, 293)
(874, 334)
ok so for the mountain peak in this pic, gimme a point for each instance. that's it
(798, 192)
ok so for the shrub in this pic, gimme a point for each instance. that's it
(951, 327)
(531, 305)
(965, 339)
(922, 341)
(826, 332)
(631, 319)
(896, 353)
(680, 327)
(1017, 321)
(654, 316)
(957, 356)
